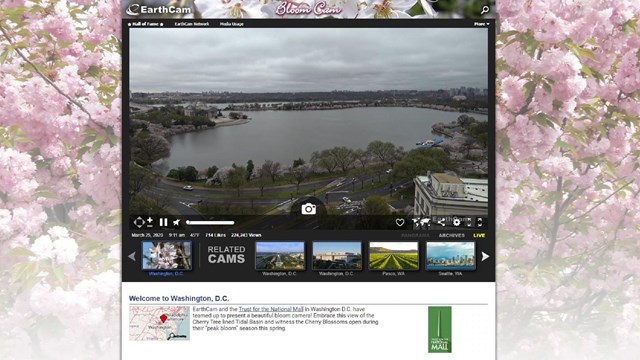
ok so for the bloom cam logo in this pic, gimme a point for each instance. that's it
(289, 7)
(137, 10)
(133, 10)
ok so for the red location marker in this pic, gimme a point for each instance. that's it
(163, 318)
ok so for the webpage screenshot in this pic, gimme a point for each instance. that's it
(309, 187)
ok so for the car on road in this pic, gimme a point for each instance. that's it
(187, 188)
(346, 200)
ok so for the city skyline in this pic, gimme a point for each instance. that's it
(287, 92)
(279, 247)
(308, 59)
(450, 249)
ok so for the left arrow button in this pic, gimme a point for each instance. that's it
(132, 256)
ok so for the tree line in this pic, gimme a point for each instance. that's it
(168, 118)
(378, 159)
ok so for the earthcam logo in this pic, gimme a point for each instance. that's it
(133, 10)
(137, 10)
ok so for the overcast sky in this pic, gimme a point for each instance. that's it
(286, 59)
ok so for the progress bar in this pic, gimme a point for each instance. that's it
(210, 222)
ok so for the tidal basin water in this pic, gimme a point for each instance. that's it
(287, 135)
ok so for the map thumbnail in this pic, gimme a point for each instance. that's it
(159, 323)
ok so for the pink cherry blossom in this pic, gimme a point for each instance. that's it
(53, 187)
(568, 180)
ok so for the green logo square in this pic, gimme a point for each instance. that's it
(439, 329)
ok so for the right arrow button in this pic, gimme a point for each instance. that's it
(484, 256)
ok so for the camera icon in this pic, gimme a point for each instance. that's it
(308, 209)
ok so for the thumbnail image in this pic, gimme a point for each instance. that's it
(393, 256)
(280, 255)
(337, 256)
(166, 255)
(451, 256)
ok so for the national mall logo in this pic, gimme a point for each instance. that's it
(137, 10)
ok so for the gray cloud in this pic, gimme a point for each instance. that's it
(304, 59)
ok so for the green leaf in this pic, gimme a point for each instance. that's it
(116, 217)
(530, 44)
(629, 26)
(503, 37)
(87, 140)
(5, 53)
(29, 283)
(501, 65)
(587, 53)
(587, 71)
(111, 136)
(544, 120)
(20, 251)
(528, 88)
(505, 146)
(96, 145)
(538, 172)
(580, 52)
(93, 71)
(82, 151)
(566, 146)
(24, 270)
(416, 9)
(44, 192)
(58, 273)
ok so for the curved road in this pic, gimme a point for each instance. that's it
(182, 200)
(248, 191)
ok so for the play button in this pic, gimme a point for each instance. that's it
(484, 256)
(132, 256)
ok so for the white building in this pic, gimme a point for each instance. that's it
(443, 194)
(336, 256)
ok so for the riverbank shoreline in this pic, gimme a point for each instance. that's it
(167, 133)
(329, 105)
(229, 122)
(312, 107)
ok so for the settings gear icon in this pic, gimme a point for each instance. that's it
(456, 221)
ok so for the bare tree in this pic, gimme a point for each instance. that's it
(261, 180)
(384, 151)
(343, 157)
(362, 174)
(271, 169)
(140, 178)
(362, 157)
(236, 178)
(299, 173)
(324, 160)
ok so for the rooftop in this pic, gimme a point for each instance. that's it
(476, 190)
(447, 179)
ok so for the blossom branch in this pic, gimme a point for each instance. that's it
(43, 76)
(556, 221)
(598, 203)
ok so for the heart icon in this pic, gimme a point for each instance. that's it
(400, 222)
